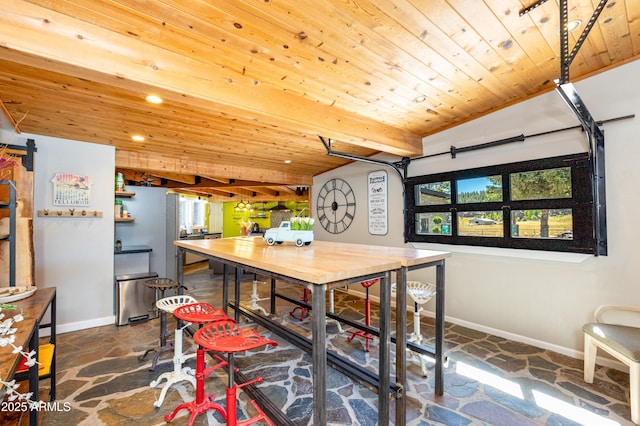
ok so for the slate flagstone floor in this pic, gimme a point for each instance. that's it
(488, 381)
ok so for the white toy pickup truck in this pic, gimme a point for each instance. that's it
(285, 233)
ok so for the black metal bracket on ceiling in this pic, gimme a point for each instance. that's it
(565, 57)
(395, 166)
(595, 137)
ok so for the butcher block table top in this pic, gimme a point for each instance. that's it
(318, 263)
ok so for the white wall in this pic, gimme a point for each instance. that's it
(545, 300)
(75, 255)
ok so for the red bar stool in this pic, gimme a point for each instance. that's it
(227, 337)
(200, 313)
(367, 314)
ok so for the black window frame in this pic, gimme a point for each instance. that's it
(581, 203)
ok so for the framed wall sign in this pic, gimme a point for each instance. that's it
(377, 190)
(71, 190)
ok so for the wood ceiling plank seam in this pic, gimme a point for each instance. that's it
(425, 53)
(349, 78)
(376, 48)
(610, 19)
(310, 76)
(499, 39)
(395, 139)
(482, 84)
(524, 30)
(633, 12)
(99, 12)
(265, 76)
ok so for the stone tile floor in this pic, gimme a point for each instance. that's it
(489, 380)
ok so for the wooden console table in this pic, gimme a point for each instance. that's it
(33, 309)
(323, 266)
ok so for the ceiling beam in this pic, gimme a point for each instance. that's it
(151, 163)
(84, 50)
(217, 179)
(188, 179)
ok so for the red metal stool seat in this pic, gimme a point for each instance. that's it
(367, 314)
(200, 313)
(227, 337)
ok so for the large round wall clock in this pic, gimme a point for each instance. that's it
(336, 206)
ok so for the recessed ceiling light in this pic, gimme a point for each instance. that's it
(154, 99)
(137, 138)
(287, 161)
(419, 99)
(572, 25)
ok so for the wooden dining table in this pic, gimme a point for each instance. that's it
(323, 266)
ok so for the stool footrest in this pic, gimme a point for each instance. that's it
(208, 371)
(197, 408)
(250, 382)
(259, 417)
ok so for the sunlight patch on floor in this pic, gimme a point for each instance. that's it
(487, 378)
(549, 403)
(577, 414)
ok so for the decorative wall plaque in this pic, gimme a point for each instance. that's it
(71, 190)
(377, 191)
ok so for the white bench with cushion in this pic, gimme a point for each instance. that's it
(616, 331)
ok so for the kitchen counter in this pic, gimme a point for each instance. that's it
(133, 249)
(201, 236)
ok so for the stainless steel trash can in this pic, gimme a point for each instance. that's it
(134, 300)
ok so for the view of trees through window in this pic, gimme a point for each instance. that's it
(524, 201)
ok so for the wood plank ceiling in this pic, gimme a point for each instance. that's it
(248, 86)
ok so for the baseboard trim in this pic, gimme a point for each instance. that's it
(606, 362)
(80, 325)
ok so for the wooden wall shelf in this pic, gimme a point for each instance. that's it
(70, 213)
(127, 194)
(125, 219)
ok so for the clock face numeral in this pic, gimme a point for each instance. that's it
(336, 206)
